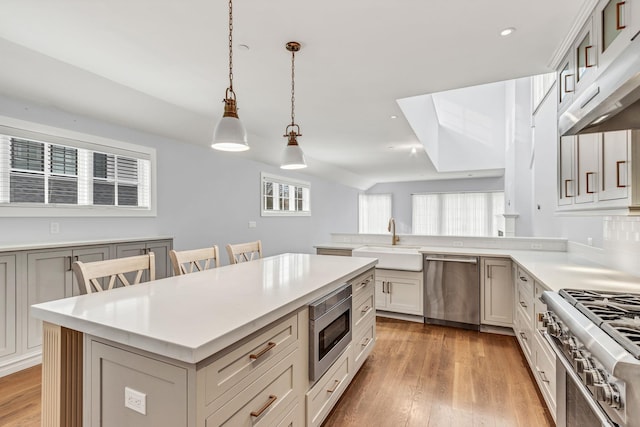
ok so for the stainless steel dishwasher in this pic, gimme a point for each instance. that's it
(452, 291)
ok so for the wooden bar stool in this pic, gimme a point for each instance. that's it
(242, 252)
(188, 261)
(93, 275)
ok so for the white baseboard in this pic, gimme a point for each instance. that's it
(400, 316)
(20, 364)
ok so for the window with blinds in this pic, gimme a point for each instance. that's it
(374, 212)
(68, 174)
(284, 196)
(458, 214)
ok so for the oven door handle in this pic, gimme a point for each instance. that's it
(597, 410)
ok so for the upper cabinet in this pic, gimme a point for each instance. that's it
(617, 23)
(595, 171)
(611, 27)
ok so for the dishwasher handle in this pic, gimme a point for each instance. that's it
(465, 260)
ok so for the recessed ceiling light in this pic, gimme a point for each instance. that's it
(390, 147)
(507, 31)
(413, 150)
(394, 117)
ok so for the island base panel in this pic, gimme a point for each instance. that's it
(61, 377)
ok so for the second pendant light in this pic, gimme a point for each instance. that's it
(293, 157)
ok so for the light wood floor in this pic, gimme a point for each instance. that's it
(424, 375)
(417, 375)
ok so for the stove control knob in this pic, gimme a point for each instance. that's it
(592, 377)
(553, 328)
(608, 393)
(546, 319)
(570, 345)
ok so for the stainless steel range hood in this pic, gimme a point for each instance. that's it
(612, 102)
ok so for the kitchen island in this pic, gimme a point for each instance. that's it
(226, 344)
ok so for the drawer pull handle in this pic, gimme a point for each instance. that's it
(523, 335)
(366, 342)
(543, 376)
(524, 279)
(335, 386)
(259, 412)
(365, 310)
(261, 353)
(523, 304)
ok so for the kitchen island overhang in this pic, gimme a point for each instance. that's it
(193, 317)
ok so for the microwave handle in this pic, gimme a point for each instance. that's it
(602, 417)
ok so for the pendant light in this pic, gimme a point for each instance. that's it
(230, 134)
(293, 157)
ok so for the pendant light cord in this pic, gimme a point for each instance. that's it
(293, 86)
(231, 47)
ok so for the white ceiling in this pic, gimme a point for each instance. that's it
(161, 66)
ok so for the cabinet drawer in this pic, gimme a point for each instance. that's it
(362, 284)
(293, 418)
(363, 309)
(546, 371)
(264, 402)
(525, 282)
(523, 333)
(322, 397)
(363, 343)
(242, 365)
(524, 302)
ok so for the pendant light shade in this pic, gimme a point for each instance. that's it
(230, 134)
(293, 158)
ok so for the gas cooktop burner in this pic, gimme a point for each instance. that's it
(618, 314)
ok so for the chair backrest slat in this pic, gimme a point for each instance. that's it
(193, 260)
(88, 274)
(243, 252)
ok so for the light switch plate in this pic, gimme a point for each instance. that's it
(252, 224)
(135, 400)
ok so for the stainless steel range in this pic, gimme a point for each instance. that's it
(596, 338)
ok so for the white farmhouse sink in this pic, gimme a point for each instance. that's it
(392, 257)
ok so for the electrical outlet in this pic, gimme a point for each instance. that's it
(54, 227)
(536, 246)
(458, 244)
(252, 224)
(135, 400)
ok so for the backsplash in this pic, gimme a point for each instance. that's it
(621, 243)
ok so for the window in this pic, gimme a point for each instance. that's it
(458, 214)
(285, 196)
(42, 174)
(374, 211)
(540, 86)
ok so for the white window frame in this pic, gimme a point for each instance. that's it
(280, 181)
(57, 136)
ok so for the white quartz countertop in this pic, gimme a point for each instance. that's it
(45, 245)
(193, 316)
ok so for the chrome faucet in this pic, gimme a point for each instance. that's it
(392, 229)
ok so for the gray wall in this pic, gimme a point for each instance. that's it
(204, 197)
(401, 194)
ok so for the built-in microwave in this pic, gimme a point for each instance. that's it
(329, 330)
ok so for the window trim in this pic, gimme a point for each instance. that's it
(264, 176)
(53, 135)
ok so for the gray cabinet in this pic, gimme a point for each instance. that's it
(7, 305)
(49, 277)
(37, 275)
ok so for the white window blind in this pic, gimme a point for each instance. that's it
(281, 196)
(374, 211)
(458, 214)
(54, 173)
